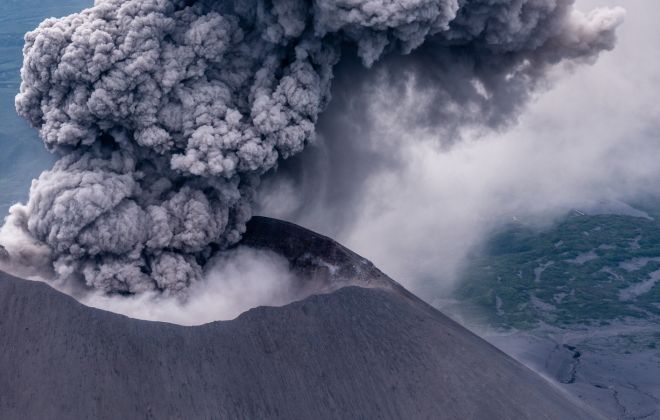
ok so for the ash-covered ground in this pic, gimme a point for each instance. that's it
(363, 348)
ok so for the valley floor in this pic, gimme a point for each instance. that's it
(613, 368)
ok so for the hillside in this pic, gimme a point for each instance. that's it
(357, 352)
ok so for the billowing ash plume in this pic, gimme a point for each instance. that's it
(166, 112)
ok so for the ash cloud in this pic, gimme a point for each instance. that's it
(418, 210)
(167, 113)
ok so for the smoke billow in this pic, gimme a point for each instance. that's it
(166, 113)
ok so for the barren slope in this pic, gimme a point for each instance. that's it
(357, 352)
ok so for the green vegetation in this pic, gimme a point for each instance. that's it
(583, 270)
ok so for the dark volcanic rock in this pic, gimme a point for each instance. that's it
(374, 352)
(322, 264)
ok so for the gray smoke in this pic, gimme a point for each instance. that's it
(167, 112)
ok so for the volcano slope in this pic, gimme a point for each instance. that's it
(365, 348)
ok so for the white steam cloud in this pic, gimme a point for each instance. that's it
(167, 112)
(416, 209)
(235, 281)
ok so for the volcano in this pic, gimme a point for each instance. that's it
(358, 346)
